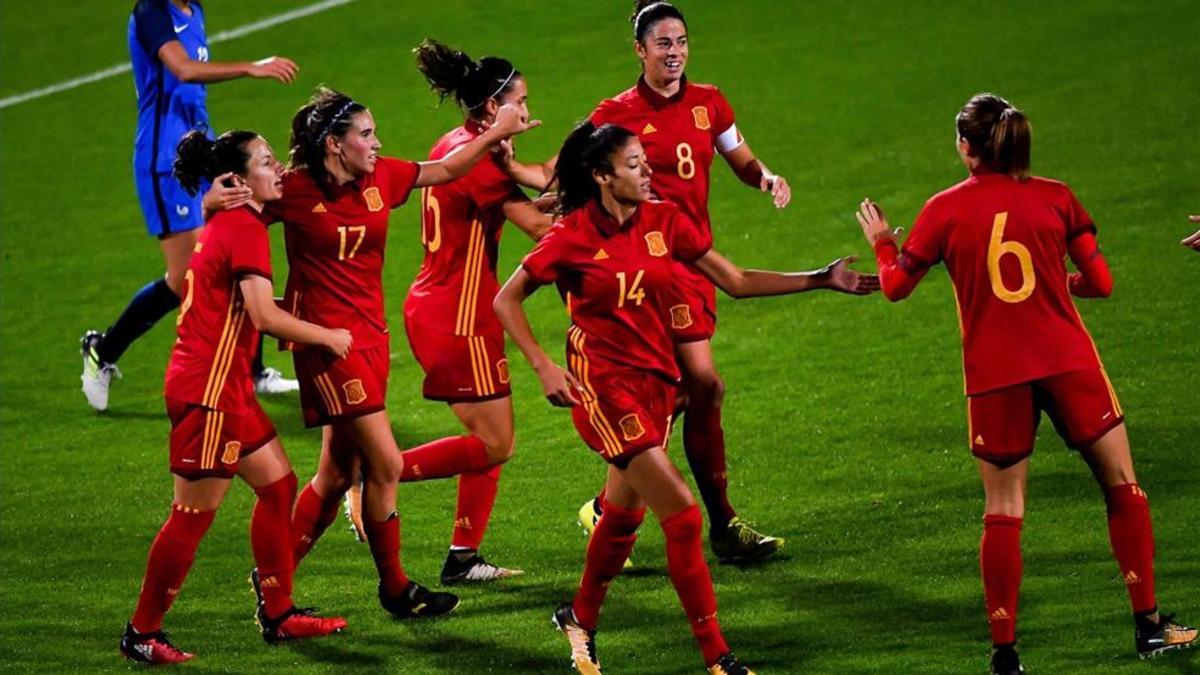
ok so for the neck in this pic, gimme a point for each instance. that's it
(256, 205)
(338, 171)
(181, 4)
(664, 88)
(619, 210)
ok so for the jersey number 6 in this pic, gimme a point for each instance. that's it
(997, 249)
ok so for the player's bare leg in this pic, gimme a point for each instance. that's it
(491, 422)
(1132, 539)
(731, 538)
(317, 506)
(1000, 557)
(269, 473)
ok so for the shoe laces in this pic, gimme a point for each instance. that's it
(111, 369)
(745, 533)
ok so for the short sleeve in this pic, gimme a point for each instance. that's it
(689, 241)
(1077, 218)
(925, 245)
(400, 180)
(251, 251)
(722, 114)
(487, 185)
(153, 26)
(602, 113)
(545, 262)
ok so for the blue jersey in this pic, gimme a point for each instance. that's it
(167, 107)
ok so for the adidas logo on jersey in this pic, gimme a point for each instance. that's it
(979, 439)
(648, 129)
(319, 208)
(601, 255)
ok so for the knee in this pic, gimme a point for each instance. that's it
(1010, 505)
(706, 389)
(499, 450)
(685, 525)
(384, 473)
(331, 483)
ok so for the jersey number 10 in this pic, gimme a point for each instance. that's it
(997, 249)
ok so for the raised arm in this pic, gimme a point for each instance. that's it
(897, 275)
(742, 283)
(176, 59)
(268, 318)
(751, 171)
(558, 384)
(456, 165)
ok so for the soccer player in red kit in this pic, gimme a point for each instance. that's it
(682, 125)
(337, 197)
(613, 257)
(218, 430)
(1004, 235)
(448, 314)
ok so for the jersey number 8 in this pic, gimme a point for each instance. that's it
(686, 166)
(997, 249)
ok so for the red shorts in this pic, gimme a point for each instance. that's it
(460, 368)
(1002, 424)
(208, 443)
(623, 411)
(694, 314)
(334, 389)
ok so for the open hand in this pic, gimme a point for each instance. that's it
(221, 197)
(781, 192)
(839, 277)
(874, 224)
(1193, 241)
(559, 386)
(276, 68)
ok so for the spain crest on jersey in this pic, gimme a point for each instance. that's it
(502, 371)
(355, 393)
(373, 198)
(656, 244)
(233, 450)
(700, 117)
(681, 317)
(631, 427)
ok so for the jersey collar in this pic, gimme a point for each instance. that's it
(657, 100)
(606, 224)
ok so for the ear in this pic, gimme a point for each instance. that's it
(964, 146)
(490, 107)
(332, 145)
(639, 49)
(600, 177)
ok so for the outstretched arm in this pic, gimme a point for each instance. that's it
(898, 275)
(176, 59)
(456, 165)
(741, 283)
(268, 318)
(558, 384)
(751, 171)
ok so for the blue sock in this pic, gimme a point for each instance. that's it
(154, 301)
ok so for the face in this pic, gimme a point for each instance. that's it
(357, 148)
(664, 51)
(264, 173)
(629, 182)
(517, 94)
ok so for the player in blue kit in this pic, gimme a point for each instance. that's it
(169, 50)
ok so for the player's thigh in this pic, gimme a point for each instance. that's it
(1004, 487)
(1110, 458)
(492, 422)
(654, 477)
(340, 463)
(201, 494)
(373, 435)
(266, 465)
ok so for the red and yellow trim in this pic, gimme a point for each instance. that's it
(469, 294)
(579, 368)
(328, 394)
(213, 421)
(235, 316)
(485, 385)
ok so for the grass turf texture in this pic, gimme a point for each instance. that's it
(844, 417)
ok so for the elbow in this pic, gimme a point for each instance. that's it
(1104, 289)
(894, 292)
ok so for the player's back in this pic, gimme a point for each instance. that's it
(1004, 242)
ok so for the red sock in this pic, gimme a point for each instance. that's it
(271, 541)
(607, 551)
(476, 496)
(693, 583)
(1000, 564)
(171, 556)
(384, 540)
(704, 445)
(443, 458)
(1132, 540)
(312, 516)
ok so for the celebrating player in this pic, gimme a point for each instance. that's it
(1004, 235)
(614, 256)
(337, 197)
(448, 314)
(1192, 241)
(169, 50)
(682, 125)
(218, 429)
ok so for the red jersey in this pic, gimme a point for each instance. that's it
(1004, 242)
(461, 223)
(210, 362)
(618, 280)
(335, 247)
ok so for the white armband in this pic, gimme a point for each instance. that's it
(730, 139)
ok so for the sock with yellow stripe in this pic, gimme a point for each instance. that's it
(171, 557)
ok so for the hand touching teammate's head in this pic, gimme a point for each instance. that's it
(480, 87)
(994, 133)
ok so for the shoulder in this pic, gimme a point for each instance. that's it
(1049, 186)
(150, 8)
(615, 105)
(659, 210)
(448, 142)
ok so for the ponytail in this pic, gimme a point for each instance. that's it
(998, 134)
(199, 158)
(327, 113)
(586, 149)
(453, 74)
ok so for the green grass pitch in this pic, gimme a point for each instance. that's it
(845, 416)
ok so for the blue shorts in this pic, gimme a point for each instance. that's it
(166, 206)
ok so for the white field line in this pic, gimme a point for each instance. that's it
(224, 35)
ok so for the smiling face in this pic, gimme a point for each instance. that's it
(629, 182)
(358, 148)
(663, 51)
(264, 173)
